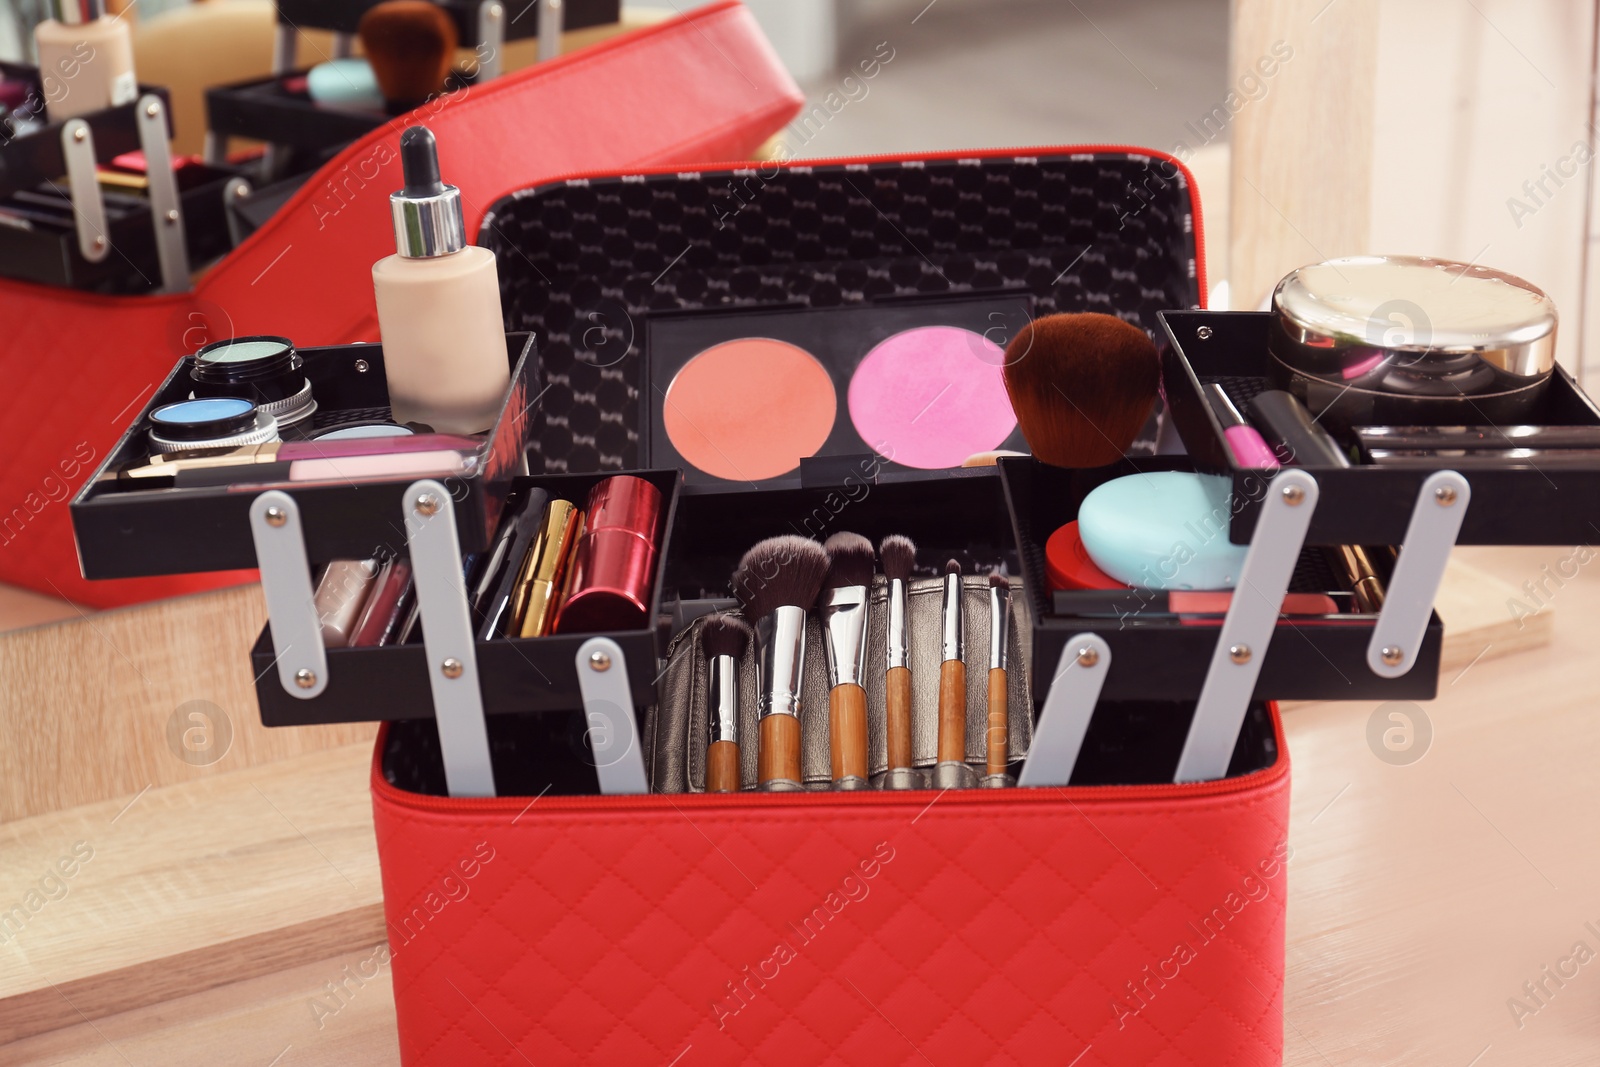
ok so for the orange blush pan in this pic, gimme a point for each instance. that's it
(750, 409)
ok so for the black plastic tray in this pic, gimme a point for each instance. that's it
(48, 251)
(35, 158)
(520, 675)
(1369, 505)
(136, 534)
(1163, 657)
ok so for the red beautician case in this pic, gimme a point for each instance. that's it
(1083, 925)
(706, 85)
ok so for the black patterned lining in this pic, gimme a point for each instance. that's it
(584, 261)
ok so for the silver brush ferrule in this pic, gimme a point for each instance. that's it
(844, 630)
(954, 640)
(722, 709)
(999, 626)
(782, 661)
(896, 624)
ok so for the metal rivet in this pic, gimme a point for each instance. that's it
(599, 661)
(152, 109)
(1392, 655)
(1445, 495)
(427, 504)
(277, 516)
(1088, 657)
(362, 366)
(80, 134)
(496, 11)
(172, 216)
(1204, 333)
(305, 677)
(1239, 653)
(99, 242)
(241, 190)
(1293, 495)
(451, 668)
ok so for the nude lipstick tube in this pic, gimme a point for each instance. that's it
(614, 566)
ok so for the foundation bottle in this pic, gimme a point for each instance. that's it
(85, 59)
(444, 342)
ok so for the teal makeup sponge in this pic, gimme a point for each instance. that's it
(1163, 530)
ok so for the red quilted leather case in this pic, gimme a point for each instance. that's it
(704, 86)
(1131, 925)
(1095, 924)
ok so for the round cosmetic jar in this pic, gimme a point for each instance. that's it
(211, 422)
(264, 369)
(1411, 340)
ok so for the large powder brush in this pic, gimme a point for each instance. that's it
(411, 45)
(1082, 386)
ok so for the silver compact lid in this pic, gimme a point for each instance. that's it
(427, 213)
(74, 12)
(1357, 320)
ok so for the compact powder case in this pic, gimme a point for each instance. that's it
(211, 422)
(1411, 340)
(263, 369)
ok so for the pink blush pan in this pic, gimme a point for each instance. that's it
(930, 397)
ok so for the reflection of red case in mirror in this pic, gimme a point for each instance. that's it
(77, 367)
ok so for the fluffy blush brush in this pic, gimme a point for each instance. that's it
(1082, 386)
(723, 640)
(410, 45)
(777, 582)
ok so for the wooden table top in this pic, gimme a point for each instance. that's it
(1423, 894)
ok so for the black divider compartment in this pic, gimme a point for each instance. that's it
(516, 675)
(1367, 505)
(1158, 657)
(123, 533)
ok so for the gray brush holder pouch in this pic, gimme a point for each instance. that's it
(676, 727)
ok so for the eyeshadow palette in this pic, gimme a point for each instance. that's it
(742, 398)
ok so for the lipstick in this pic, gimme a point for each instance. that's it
(542, 582)
(614, 564)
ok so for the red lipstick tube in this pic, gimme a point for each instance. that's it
(614, 565)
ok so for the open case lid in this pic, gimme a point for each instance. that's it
(589, 263)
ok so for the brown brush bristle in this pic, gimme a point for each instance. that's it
(998, 580)
(410, 44)
(778, 571)
(850, 561)
(952, 567)
(898, 555)
(1082, 386)
(724, 635)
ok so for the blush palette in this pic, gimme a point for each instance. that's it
(745, 397)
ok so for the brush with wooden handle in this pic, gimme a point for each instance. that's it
(998, 747)
(899, 557)
(723, 639)
(952, 772)
(777, 582)
(842, 609)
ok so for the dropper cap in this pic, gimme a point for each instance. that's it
(75, 12)
(427, 212)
